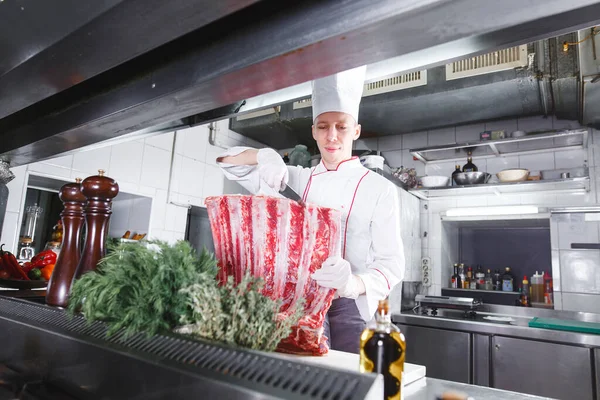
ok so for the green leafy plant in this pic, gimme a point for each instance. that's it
(137, 287)
(237, 314)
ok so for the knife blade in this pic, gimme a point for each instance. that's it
(291, 194)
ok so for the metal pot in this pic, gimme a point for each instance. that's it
(471, 178)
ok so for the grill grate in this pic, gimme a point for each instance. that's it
(257, 371)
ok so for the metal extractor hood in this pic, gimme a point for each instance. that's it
(95, 72)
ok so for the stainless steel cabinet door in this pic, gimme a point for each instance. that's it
(446, 354)
(544, 369)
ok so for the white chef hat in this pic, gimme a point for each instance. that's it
(340, 92)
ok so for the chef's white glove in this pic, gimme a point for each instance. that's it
(336, 273)
(272, 169)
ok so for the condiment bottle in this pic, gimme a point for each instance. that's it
(548, 290)
(507, 281)
(469, 166)
(537, 288)
(382, 351)
(72, 218)
(99, 191)
(456, 171)
(525, 292)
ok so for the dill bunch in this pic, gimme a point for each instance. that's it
(137, 287)
(237, 315)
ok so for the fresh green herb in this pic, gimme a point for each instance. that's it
(137, 287)
(237, 314)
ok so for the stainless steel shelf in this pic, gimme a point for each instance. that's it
(569, 185)
(531, 143)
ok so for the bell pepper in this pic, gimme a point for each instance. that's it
(44, 258)
(11, 265)
(47, 271)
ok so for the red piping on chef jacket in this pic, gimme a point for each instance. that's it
(307, 189)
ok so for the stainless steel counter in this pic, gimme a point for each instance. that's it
(429, 388)
(471, 349)
(456, 320)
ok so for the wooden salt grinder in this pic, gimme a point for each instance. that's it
(72, 218)
(99, 191)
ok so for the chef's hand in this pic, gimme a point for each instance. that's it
(336, 273)
(272, 169)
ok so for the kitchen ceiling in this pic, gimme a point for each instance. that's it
(130, 67)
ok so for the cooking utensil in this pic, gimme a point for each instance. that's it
(513, 175)
(434, 181)
(472, 178)
(291, 194)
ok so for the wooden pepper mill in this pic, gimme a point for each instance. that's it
(99, 191)
(72, 218)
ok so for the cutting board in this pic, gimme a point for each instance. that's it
(565, 325)
(350, 362)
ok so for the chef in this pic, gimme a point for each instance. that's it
(372, 256)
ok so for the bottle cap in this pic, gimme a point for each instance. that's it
(383, 307)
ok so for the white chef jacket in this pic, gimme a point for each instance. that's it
(370, 208)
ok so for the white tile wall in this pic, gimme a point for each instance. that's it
(570, 158)
(156, 166)
(92, 160)
(408, 161)
(497, 164)
(163, 141)
(533, 124)
(192, 177)
(213, 182)
(393, 142)
(64, 162)
(394, 158)
(441, 136)
(537, 162)
(469, 133)
(126, 161)
(413, 140)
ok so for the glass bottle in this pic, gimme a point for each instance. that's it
(454, 278)
(469, 166)
(456, 171)
(473, 279)
(507, 281)
(489, 283)
(480, 277)
(461, 275)
(497, 280)
(468, 278)
(382, 351)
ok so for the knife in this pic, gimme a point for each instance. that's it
(290, 194)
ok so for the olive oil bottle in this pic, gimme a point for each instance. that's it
(382, 351)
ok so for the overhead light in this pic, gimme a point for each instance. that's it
(485, 211)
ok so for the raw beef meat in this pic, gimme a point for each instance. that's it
(283, 242)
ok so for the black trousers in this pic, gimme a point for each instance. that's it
(343, 326)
